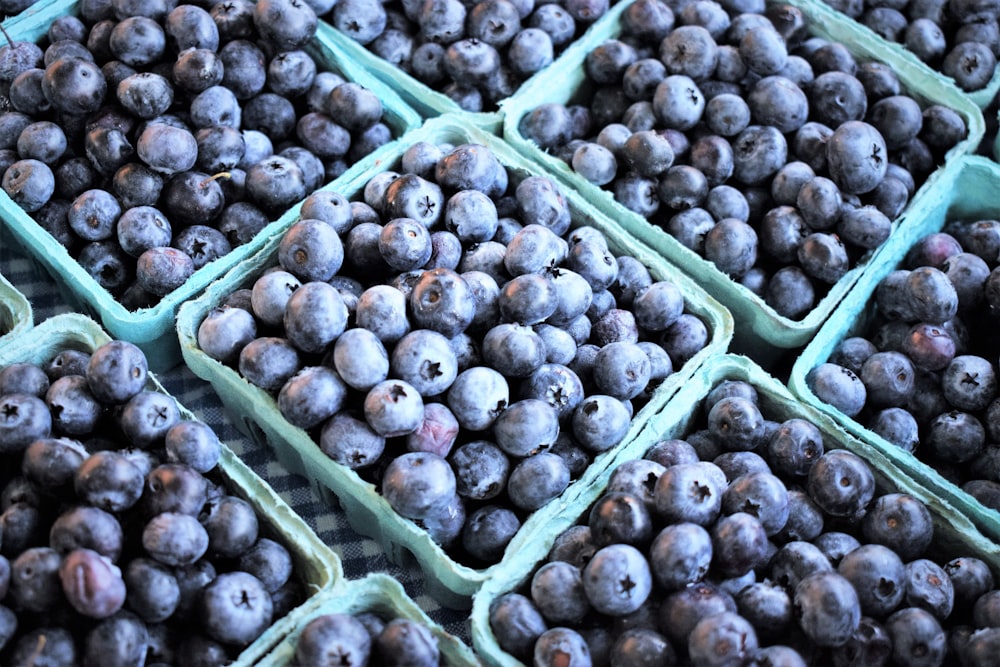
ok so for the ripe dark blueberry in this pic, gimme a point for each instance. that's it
(236, 608)
(838, 386)
(898, 426)
(690, 493)
(917, 637)
(536, 480)
(720, 638)
(900, 522)
(30, 183)
(617, 580)
(827, 608)
(841, 483)
(682, 610)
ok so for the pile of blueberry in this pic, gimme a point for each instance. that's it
(959, 38)
(750, 542)
(923, 374)
(775, 155)
(456, 339)
(366, 638)
(121, 543)
(150, 138)
(477, 52)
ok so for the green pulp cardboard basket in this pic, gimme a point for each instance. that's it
(760, 328)
(879, 45)
(968, 191)
(384, 596)
(318, 568)
(954, 534)
(15, 312)
(152, 329)
(448, 581)
(430, 102)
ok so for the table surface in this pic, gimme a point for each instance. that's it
(360, 555)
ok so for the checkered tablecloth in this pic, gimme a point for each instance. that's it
(360, 555)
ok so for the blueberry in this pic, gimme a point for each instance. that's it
(478, 395)
(338, 636)
(382, 310)
(30, 183)
(516, 623)
(441, 301)
(838, 386)
(984, 609)
(236, 608)
(487, 532)
(900, 522)
(735, 464)
(526, 427)
(929, 587)
(865, 226)
(161, 270)
(827, 608)
(268, 362)
(173, 487)
(969, 576)
(559, 644)
(360, 358)
(275, 184)
(722, 639)
(109, 481)
(619, 517)
(878, 576)
(34, 579)
(286, 24)
(898, 426)
(558, 593)
(617, 580)
(841, 483)
(870, 644)
(969, 382)
(393, 408)
(955, 436)
(536, 480)
(311, 396)
(857, 157)
(93, 585)
(761, 495)
(403, 641)
(350, 441)
(739, 544)
(638, 477)
(416, 484)
(731, 245)
(680, 554)
(481, 469)
(682, 610)
(888, 378)
(224, 332)
(315, 316)
(600, 422)
(231, 525)
(77, 86)
(146, 418)
(642, 646)
(917, 637)
(174, 539)
(49, 644)
(794, 447)
(690, 492)
(621, 370)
